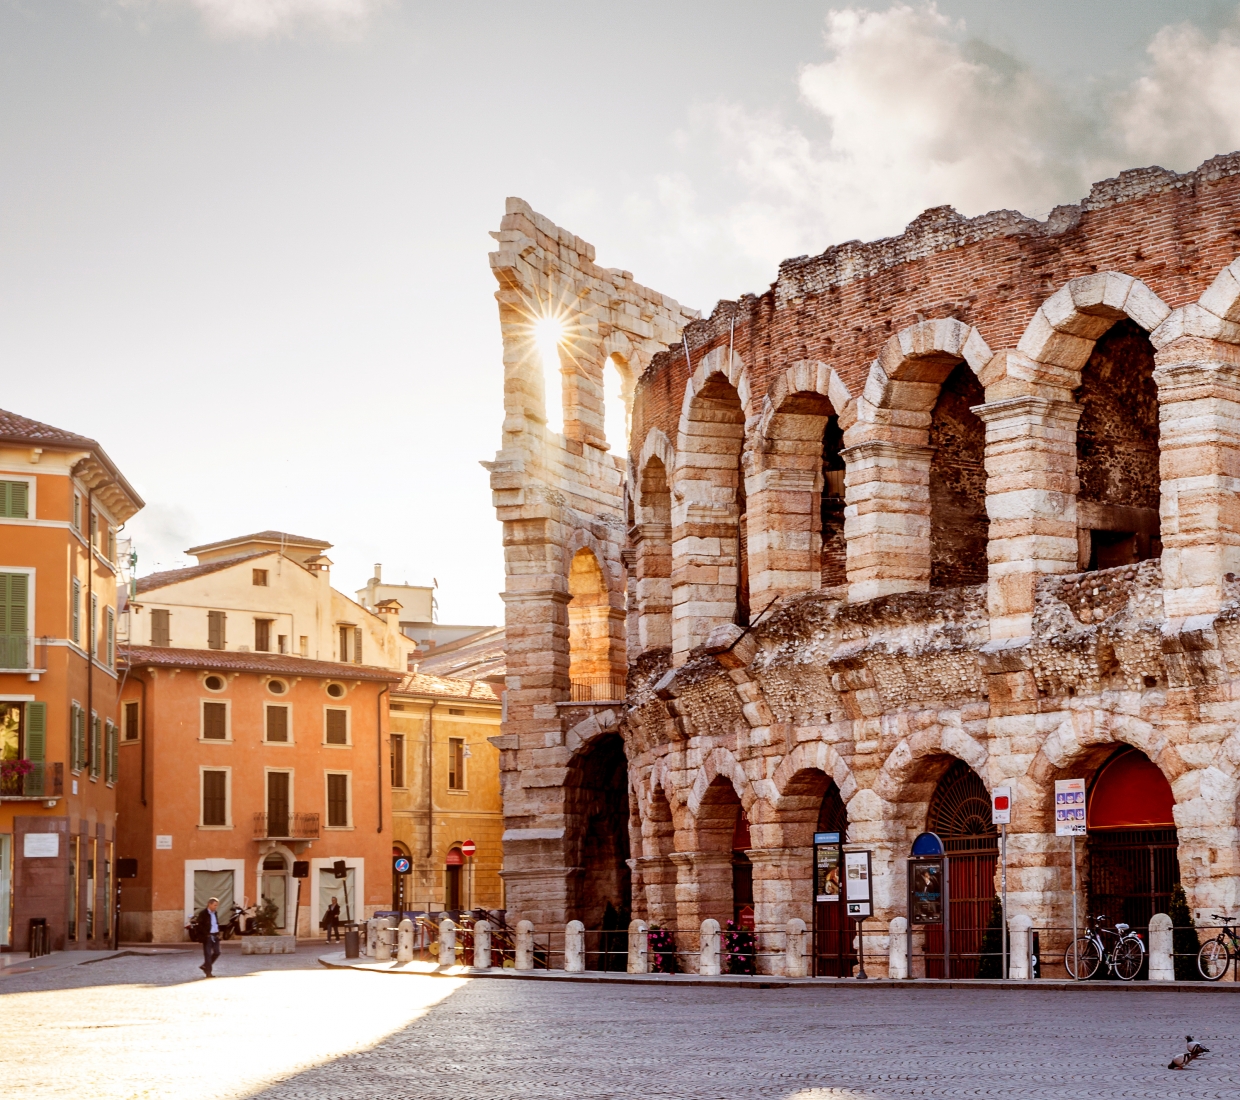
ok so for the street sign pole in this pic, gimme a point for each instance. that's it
(1071, 821)
(1075, 964)
(1001, 815)
(1005, 968)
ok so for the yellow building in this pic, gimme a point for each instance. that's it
(445, 793)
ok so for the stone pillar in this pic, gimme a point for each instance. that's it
(705, 569)
(404, 941)
(1020, 947)
(794, 949)
(383, 940)
(482, 945)
(638, 947)
(652, 544)
(703, 888)
(659, 877)
(575, 947)
(780, 877)
(372, 936)
(1162, 948)
(1199, 440)
(524, 950)
(447, 942)
(708, 947)
(887, 516)
(897, 948)
(1031, 488)
(785, 523)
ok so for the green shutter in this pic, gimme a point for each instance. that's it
(96, 746)
(15, 499)
(14, 605)
(36, 746)
(77, 611)
(111, 749)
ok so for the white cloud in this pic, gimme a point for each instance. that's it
(265, 18)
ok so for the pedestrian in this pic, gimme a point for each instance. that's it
(209, 934)
(331, 920)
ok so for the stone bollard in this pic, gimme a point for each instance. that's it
(447, 942)
(794, 949)
(638, 947)
(708, 959)
(404, 941)
(897, 948)
(372, 936)
(525, 946)
(383, 940)
(575, 947)
(1162, 949)
(1020, 946)
(482, 945)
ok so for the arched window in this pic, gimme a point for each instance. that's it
(590, 669)
(958, 521)
(617, 399)
(654, 557)
(548, 338)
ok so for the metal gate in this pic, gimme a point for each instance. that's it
(1132, 873)
(833, 933)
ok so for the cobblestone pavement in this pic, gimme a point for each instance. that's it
(280, 1028)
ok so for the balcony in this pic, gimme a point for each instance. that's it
(15, 651)
(597, 689)
(27, 779)
(286, 826)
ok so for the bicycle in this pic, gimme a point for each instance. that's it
(1218, 954)
(1090, 951)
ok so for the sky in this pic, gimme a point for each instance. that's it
(243, 243)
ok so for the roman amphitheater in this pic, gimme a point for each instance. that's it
(935, 514)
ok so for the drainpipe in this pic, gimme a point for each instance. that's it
(90, 631)
(379, 751)
(430, 796)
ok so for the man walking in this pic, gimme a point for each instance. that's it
(209, 935)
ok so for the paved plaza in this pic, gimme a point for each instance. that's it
(282, 1027)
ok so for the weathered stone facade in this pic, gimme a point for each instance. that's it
(1033, 564)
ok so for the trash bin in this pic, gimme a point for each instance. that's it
(352, 943)
(39, 940)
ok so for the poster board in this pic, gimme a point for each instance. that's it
(827, 867)
(857, 881)
(925, 890)
(1070, 807)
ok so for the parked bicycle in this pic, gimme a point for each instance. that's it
(1218, 954)
(1120, 948)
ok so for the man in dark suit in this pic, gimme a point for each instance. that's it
(209, 935)
(331, 920)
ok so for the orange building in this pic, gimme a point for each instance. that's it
(236, 767)
(61, 503)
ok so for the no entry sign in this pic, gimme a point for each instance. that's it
(468, 848)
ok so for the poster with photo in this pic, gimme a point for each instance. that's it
(926, 891)
(827, 872)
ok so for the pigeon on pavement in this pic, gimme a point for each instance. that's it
(1195, 1050)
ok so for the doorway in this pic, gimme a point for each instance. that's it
(834, 954)
(275, 887)
(452, 881)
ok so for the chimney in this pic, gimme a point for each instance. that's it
(378, 571)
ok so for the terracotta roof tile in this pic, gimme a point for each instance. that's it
(418, 683)
(175, 576)
(263, 536)
(227, 660)
(21, 429)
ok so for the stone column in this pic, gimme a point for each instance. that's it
(708, 947)
(887, 517)
(524, 947)
(659, 877)
(447, 942)
(1162, 949)
(703, 887)
(1199, 439)
(1020, 947)
(638, 947)
(794, 949)
(782, 881)
(1031, 488)
(897, 948)
(705, 570)
(652, 546)
(575, 947)
(785, 523)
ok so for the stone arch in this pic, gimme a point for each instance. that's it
(720, 765)
(651, 539)
(596, 643)
(891, 464)
(709, 579)
(596, 816)
(796, 490)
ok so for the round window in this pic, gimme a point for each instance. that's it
(277, 687)
(336, 691)
(214, 683)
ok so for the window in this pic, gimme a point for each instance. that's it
(109, 639)
(337, 726)
(303, 645)
(282, 643)
(215, 630)
(77, 612)
(456, 710)
(213, 682)
(398, 760)
(14, 620)
(110, 746)
(96, 746)
(277, 687)
(215, 721)
(214, 798)
(345, 631)
(357, 645)
(278, 803)
(161, 627)
(77, 737)
(262, 635)
(260, 578)
(77, 512)
(277, 723)
(130, 720)
(336, 691)
(456, 763)
(92, 642)
(111, 543)
(15, 499)
(337, 801)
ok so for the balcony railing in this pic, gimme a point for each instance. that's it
(28, 779)
(286, 826)
(597, 689)
(14, 651)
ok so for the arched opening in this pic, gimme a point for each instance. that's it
(402, 876)
(741, 617)
(617, 404)
(452, 880)
(960, 814)
(958, 521)
(742, 874)
(1117, 452)
(590, 673)
(654, 557)
(658, 871)
(598, 823)
(548, 334)
(833, 559)
(708, 588)
(274, 887)
(718, 831)
(1133, 862)
(834, 953)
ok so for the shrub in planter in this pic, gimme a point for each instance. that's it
(1184, 941)
(265, 919)
(739, 951)
(660, 951)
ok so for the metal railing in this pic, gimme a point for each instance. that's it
(15, 651)
(290, 826)
(35, 780)
(597, 689)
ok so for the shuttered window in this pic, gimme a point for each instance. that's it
(344, 643)
(111, 744)
(96, 745)
(398, 760)
(14, 622)
(214, 798)
(131, 722)
(161, 628)
(337, 732)
(15, 499)
(357, 645)
(262, 635)
(278, 804)
(456, 763)
(215, 630)
(109, 636)
(337, 801)
(76, 613)
(35, 747)
(92, 646)
(77, 737)
(215, 721)
(277, 723)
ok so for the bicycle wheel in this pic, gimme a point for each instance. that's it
(1083, 958)
(1213, 959)
(1129, 955)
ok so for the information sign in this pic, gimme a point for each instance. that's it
(827, 866)
(1070, 807)
(925, 886)
(857, 884)
(1001, 806)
